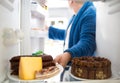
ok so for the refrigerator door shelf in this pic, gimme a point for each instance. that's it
(38, 9)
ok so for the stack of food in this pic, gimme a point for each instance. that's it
(14, 65)
(28, 67)
(88, 67)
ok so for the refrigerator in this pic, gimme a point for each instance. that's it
(107, 32)
(9, 23)
(16, 37)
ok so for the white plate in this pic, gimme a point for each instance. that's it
(16, 79)
(81, 79)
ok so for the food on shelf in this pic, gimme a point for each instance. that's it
(47, 72)
(39, 52)
(91, 67)
(28, 66)
(24, 65)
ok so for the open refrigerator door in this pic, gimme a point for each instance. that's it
(15, 22)
(9, 26)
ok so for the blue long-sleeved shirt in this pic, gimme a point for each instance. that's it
(82, 33)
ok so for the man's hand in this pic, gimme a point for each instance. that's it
(63, 59)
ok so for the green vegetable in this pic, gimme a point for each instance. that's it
(38, 53)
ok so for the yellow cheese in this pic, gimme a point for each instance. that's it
(28, 66)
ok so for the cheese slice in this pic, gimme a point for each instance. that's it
(28, 66)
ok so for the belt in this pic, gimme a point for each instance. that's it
(62, 74)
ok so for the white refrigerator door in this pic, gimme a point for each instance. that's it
(9, 18)
(107, 33)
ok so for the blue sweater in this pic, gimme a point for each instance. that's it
(82, 34)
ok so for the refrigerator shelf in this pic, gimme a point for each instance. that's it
(38, 34)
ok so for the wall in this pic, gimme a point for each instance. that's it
(8, 19)
(107, 35)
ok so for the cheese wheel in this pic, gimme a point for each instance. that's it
(28, 66)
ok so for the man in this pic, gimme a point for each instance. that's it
(79, 37)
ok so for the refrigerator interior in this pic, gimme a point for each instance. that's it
(19, 15)
(108, 31)
(9, 19)
(50, 16)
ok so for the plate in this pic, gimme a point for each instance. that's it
(82, 79)
(15, 78)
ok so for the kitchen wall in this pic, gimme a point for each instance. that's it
(8, 19)
(107, 34)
